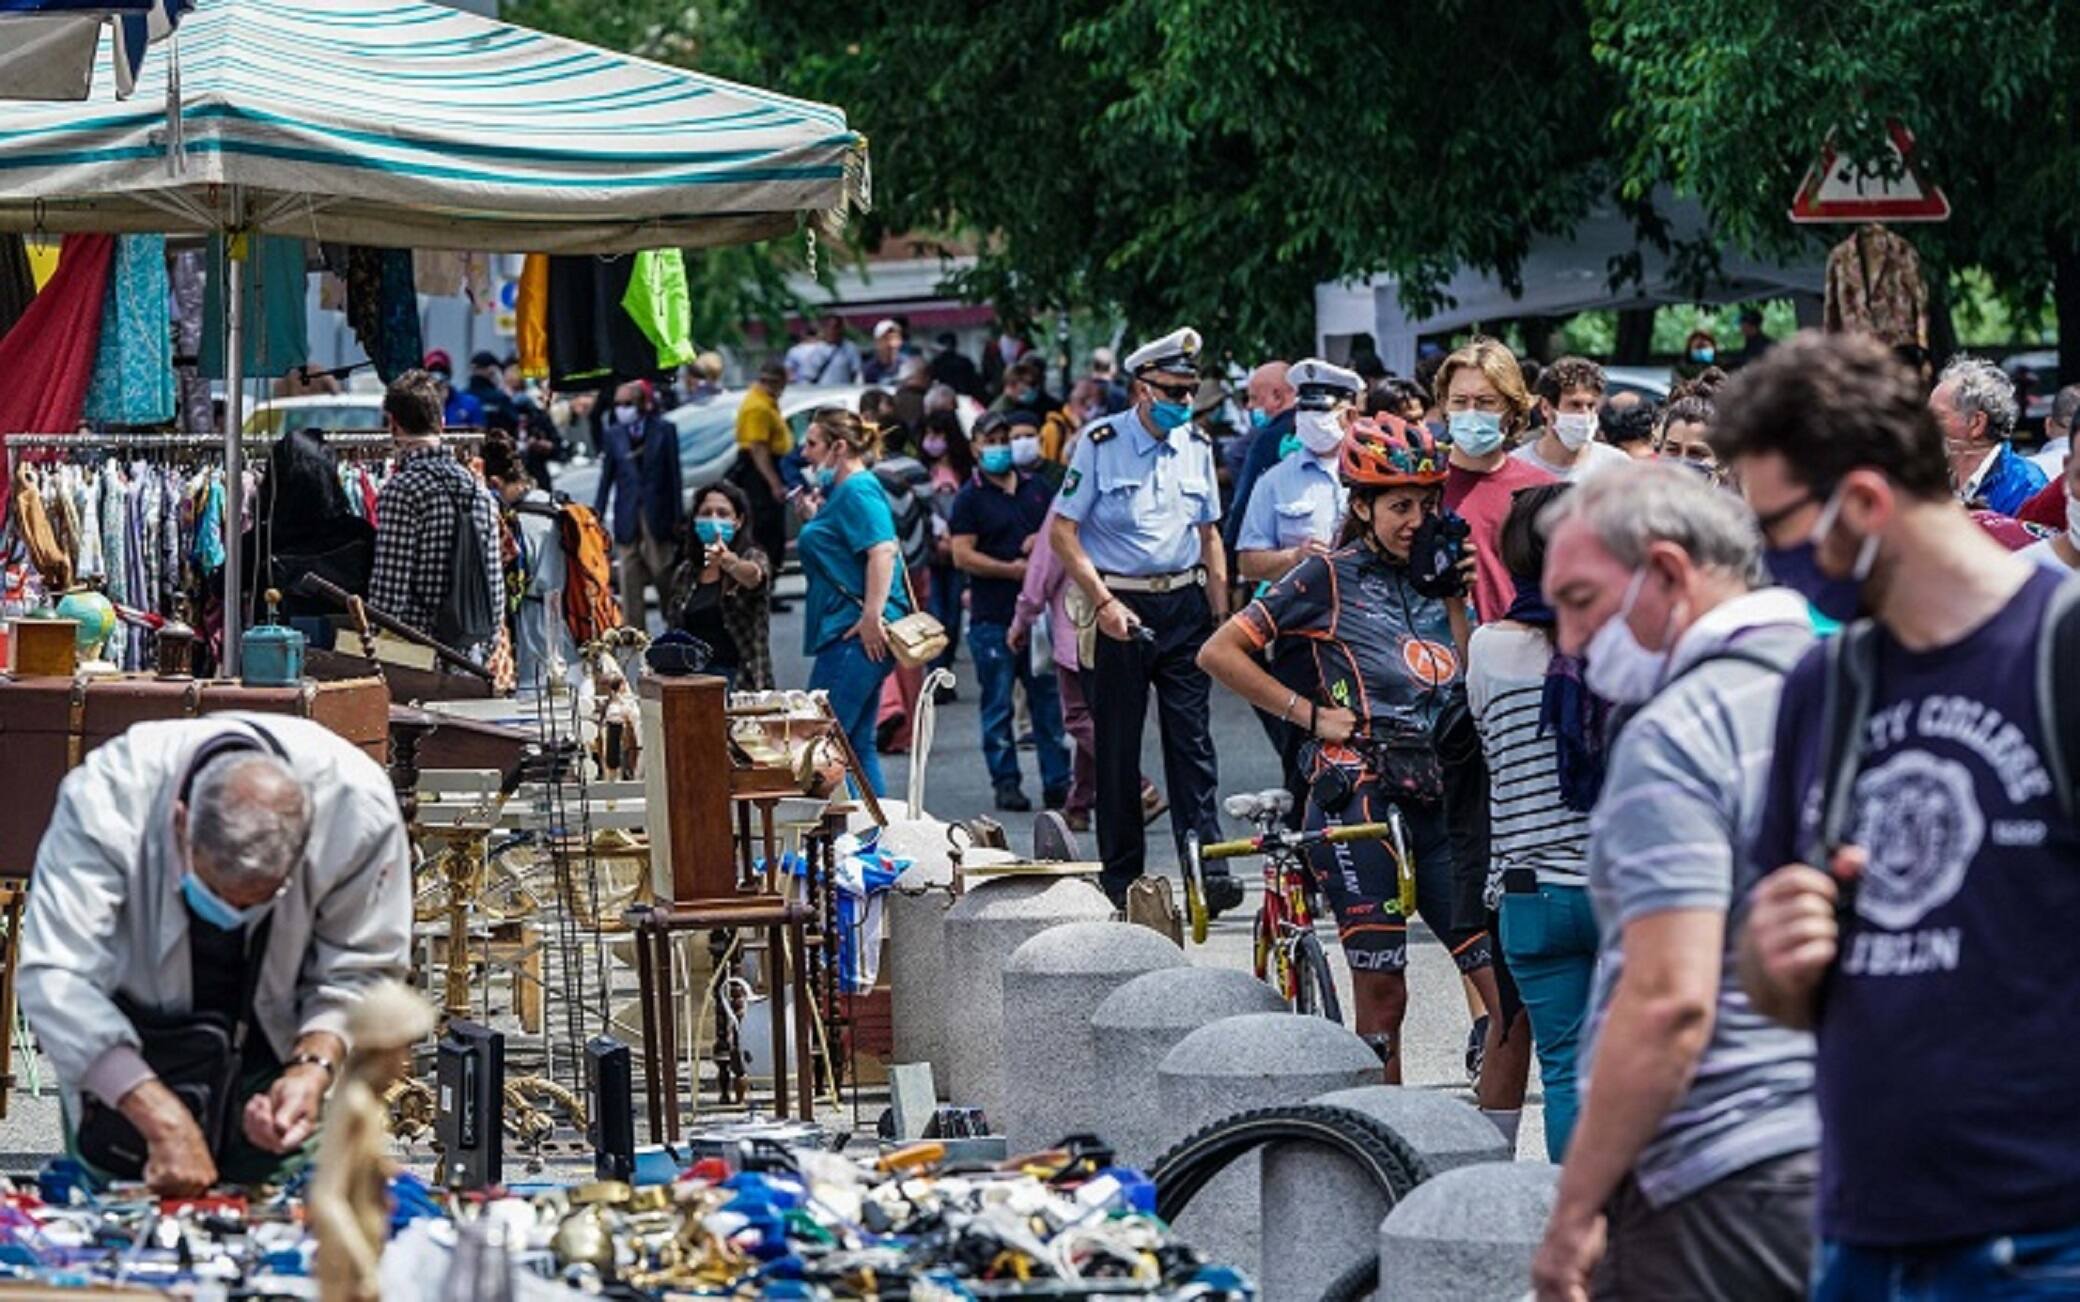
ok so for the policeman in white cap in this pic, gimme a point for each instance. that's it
(1297, 507)
(1135, 528)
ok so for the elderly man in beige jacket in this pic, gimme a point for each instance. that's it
(245, 872)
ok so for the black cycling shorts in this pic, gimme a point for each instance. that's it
(1361, 884)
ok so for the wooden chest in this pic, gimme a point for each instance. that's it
(47, 725)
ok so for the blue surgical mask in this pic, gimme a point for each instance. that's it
(1476, 433)
(711, 531)
(214, 909)
(996, 459)
(1703, 356)
(1288, 445)
(1170, 415)
(1798, 568)
(826, 477)
(1257, 418)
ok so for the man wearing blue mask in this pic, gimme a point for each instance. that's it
(1271, 401)
(1691, 1170)
(1918, 842)
(227, 884)
(995, 525)
(1136, 527)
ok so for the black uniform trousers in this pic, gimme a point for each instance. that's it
(1117, 692)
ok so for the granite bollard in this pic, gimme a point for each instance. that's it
(1467, 1235)
(1052, 985)
(1255, 1060)
(982, 929)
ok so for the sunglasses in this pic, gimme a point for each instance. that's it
(1173, 392)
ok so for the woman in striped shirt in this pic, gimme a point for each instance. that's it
(1537, 723)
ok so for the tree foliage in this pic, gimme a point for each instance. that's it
(1731, 99)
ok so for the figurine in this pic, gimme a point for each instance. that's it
(349, 1203)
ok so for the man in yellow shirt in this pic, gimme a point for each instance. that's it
(762, 439)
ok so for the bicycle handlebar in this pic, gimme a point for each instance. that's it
(1283, 840)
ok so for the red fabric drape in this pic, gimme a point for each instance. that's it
(49, 355)
(48, 358)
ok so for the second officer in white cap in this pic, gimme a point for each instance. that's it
(1135, 529)
(1296, 508)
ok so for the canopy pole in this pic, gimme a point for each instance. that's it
(234, 432)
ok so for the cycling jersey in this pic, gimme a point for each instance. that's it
(1370, 642)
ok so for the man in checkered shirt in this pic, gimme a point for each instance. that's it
(415, 515)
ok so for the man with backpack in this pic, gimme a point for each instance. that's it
(437, 565)
(1690, 1173)
(1919, 842)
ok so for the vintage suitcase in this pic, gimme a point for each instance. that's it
(47, 725)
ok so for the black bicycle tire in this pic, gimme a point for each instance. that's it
(1179, 1175)
(1360, 1280)
(1313, 963)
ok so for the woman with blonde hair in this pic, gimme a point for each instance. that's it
(848, 552)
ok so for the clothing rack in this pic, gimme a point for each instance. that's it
(345, 442)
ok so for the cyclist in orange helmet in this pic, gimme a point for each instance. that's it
(1365, 645)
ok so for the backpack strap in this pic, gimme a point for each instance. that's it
(1851, 680)
(2058, 711)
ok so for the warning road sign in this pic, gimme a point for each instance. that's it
(1839, 189)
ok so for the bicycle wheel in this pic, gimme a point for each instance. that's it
(1394, 1167)
(1404, 862)
(1194, 888)
(1314, 985)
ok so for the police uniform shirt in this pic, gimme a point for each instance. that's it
(1301, 497)
(1139, 500)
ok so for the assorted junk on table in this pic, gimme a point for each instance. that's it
(734, 1214)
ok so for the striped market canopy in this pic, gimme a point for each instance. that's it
(406, 124)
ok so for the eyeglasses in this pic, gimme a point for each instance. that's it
(1768, 523)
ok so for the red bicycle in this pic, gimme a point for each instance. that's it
(1287, 954)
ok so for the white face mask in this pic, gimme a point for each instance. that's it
(1574, 428)
(1025, 451)
(1619, 669)
(1867, 554)
(625, 413)
(1320, 432)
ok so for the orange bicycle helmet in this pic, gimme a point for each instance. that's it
(1384, 451)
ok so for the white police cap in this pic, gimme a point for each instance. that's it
(1176, 353)
(1321, 385)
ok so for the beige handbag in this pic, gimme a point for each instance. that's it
(917, 638)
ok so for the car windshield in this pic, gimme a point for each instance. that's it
(327, 416)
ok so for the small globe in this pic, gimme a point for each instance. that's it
(96, 617)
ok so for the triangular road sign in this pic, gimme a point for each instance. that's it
(1838, 190)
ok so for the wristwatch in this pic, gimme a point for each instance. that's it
(315, 1060)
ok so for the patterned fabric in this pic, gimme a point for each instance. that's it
(745, 613)
(197, 415)
(383, 308)
(133, 380)
(1874, 285)
(415, 532)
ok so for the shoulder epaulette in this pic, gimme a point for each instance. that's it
(1101, 431)
(1199, 433)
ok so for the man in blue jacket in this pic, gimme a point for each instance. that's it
(639, 474)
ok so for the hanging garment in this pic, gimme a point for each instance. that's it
(197, 416)
(383, 308)
(657, 301)
(209, 527)
(17, 281)
(133, 380)
(276, 324)
(1874, 285)
(54, 342)
(531, 317)
(87, 496)
(592, 339)
(114, 533)
(438, 272)
(33, 526)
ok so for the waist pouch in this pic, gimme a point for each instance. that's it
(1403, 762)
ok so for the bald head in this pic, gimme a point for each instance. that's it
(1268, 390)
(246, 821)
